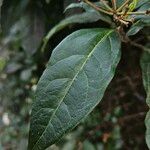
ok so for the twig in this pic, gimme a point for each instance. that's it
(139, 46)
(120, 121)
(106, 5)
(134, 13)
(123, 5)
(114, 4)
(130, 117)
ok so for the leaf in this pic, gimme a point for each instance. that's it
(141, 2)
(142, 20)
(136, 27)
(145, 64)
(120, 2)
(77, 5)
(86, 17)
(74, 82)
(133, 5)
(35, 30)
(12, 10)
(85, 6)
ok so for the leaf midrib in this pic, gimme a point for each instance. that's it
(69, 86)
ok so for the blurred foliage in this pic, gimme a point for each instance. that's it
(24, 24)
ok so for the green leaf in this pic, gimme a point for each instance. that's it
(86, 17)
(74, 82)
(133, 5)
(120, 2)
(145, 18)
(145, 64)
(142, 20)
(12, 10)
(141, 2)
(85, 6)
(77, 5)
(136, 27)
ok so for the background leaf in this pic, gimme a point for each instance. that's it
(24, 16)
(74, 82)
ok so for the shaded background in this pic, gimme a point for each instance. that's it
(117, 123)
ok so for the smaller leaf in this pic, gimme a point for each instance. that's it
(145, 18)
(76, 5)
(141, 2)
(136, 27)
(145, 64)
(142, 20)
(133, 5)
(119, 2)
(13, 11)
(86, 17)
(85, 6)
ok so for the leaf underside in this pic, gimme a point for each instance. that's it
(74, 82)
(145, 64)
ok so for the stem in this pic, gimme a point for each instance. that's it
(98, 8)
(134, 13)
(123, 5)
(106, 5)
(139, 46)
(124, 22)
(114, 4)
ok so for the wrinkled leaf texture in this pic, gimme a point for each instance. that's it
(74, 82)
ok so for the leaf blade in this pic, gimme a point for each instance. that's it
(70, 90)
